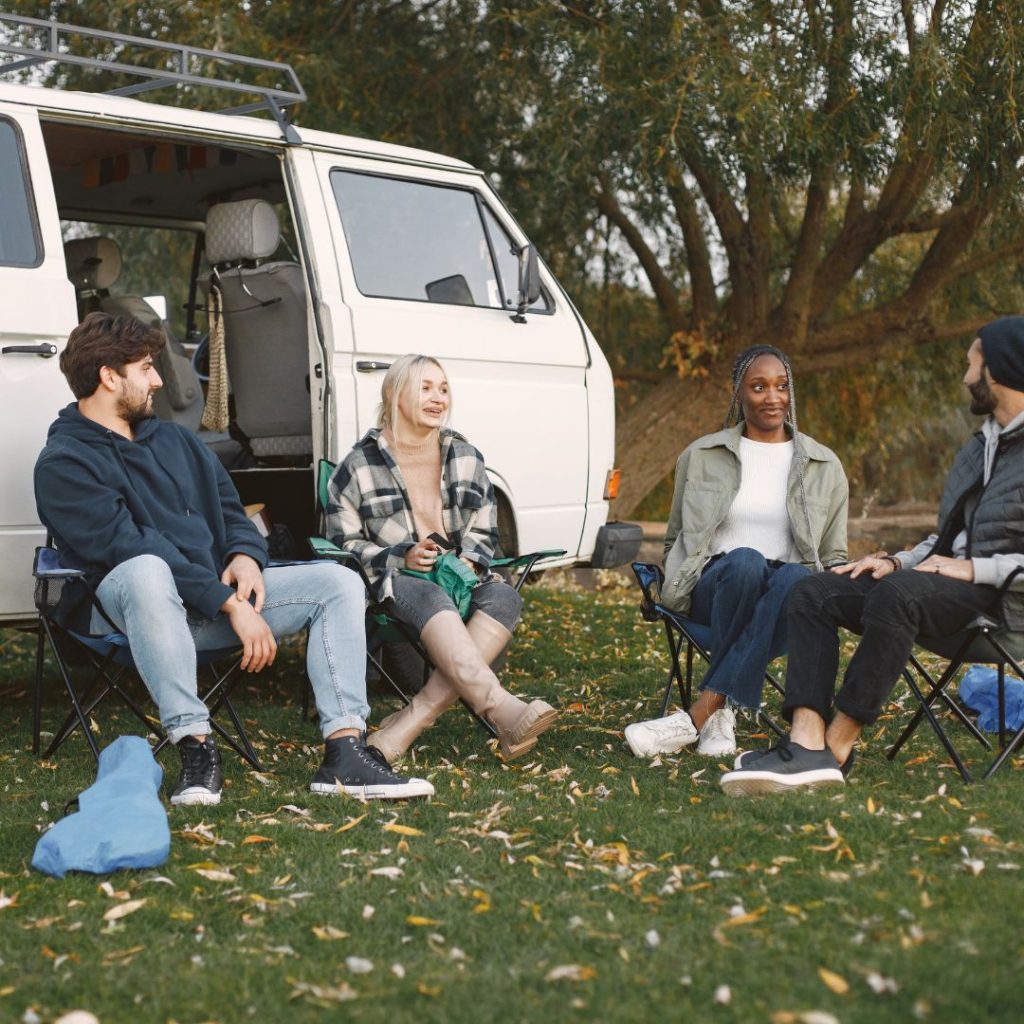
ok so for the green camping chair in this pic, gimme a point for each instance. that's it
(382, 628)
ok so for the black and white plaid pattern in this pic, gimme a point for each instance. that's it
(369, 512)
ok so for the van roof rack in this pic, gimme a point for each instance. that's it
(57, 46)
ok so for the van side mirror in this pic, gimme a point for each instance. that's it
(529, 282)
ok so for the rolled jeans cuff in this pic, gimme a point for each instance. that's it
(343, 722)
(177, 734)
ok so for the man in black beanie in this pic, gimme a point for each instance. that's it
(935, 589)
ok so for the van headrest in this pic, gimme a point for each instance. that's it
(245, 230)
(93, 263)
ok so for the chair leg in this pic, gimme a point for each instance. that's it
(37, 692)
(78, 713)
(926, 708)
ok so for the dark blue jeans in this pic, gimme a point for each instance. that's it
(742, 597)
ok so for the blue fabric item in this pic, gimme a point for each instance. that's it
(120, 823)
(979, 690)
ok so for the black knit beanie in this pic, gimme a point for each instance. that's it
(1002, 345)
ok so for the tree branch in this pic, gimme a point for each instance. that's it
(664, 289)
(698, 259)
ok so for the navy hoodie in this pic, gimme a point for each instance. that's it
(106, 499)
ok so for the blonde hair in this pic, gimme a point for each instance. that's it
(404, 372)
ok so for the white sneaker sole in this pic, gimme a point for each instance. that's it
(722, 751)
(195, 796)
(407, 791)
(757, 783)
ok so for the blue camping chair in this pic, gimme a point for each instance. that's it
(680, 630)
(109, 660)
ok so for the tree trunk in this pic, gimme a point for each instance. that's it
(650, 435)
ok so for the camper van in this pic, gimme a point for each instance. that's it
(302, 261)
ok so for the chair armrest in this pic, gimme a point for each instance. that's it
(47, 566)
(326, 549)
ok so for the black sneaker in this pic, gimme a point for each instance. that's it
(786, 767)
(200, 781)
(748, 757)
(349, 766)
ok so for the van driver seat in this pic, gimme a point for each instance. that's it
(265, 329)
(94, 267)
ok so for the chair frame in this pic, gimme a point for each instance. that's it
(982, 642)
(327, 550)
(680, 630)
(110, 659)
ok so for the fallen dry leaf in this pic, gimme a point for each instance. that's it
(570, 972)
(215, 874)
(402, 830)
(421, 922)
(250, 840)
(115, 913)
(834, 982)
(351, 823)
(328, 933)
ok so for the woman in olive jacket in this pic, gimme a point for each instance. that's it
(756, 506)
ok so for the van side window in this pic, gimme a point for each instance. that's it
(19, 235)
(410, 240)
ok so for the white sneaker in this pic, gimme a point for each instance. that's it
(661, 735)
(718, 737)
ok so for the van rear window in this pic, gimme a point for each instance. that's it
(19, 236)
(410, 240)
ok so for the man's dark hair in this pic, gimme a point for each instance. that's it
(105, 340)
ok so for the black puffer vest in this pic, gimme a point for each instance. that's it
(992, 514)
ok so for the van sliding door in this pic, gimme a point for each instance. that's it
(38, 314)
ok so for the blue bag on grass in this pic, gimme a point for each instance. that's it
(120, 823)
(979, 689)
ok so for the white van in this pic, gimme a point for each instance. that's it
(113, 203)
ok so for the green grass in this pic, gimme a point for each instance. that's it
(582, 885)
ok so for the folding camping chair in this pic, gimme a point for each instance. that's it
(109, 659)
(381, 628)
(680, 630)
(983, 642)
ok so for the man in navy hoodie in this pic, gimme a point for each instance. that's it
(156, 524)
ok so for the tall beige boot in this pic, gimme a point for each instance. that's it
(452, 650)
(399, 730)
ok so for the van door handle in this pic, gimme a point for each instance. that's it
(45, 350)
(369, 365)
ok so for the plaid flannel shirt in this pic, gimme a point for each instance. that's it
(369, 512)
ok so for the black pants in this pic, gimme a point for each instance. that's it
(889, 613)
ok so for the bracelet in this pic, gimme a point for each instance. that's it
(896, 564)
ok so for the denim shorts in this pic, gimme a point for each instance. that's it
(416, 601)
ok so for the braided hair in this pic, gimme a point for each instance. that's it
(735, 415)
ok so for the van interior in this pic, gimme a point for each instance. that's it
(149, 224)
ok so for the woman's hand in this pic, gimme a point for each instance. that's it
(877, 565)
(422, 555)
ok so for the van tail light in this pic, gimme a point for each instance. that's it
(611, 484)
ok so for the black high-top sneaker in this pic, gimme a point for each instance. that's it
(350, 767)
(200, 781)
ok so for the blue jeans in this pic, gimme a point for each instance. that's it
(140, 597)
(742, 597)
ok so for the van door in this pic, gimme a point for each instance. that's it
(427, 264)
(39, 312)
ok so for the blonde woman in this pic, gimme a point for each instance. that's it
(409, 490)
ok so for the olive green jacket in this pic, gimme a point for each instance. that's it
(708, 479)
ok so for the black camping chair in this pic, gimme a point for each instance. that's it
(109, 660)
(680, 631)
(381, 628)
(983, 642)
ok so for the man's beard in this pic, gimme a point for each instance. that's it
(983, 402)
(134, 405)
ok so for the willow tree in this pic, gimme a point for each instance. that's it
(839, 177)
